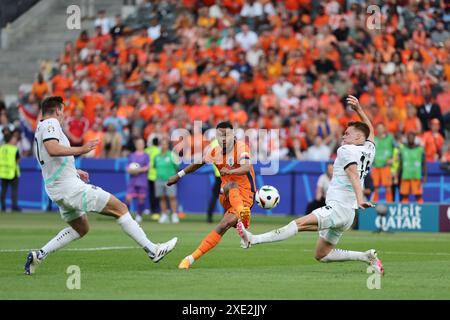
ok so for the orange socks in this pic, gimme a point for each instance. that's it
(235, 199)
(213, 238)
(209, 242)
(376, 197)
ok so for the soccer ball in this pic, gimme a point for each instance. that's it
(134, 165)
(267, 197)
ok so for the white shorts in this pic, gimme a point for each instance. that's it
(333, 220)
(85, 198)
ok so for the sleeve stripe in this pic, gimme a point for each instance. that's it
(246, 158)
(349, 164)
(48, 139)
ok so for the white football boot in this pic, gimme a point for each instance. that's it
(163, 249)
(244, 234)
(32, 262)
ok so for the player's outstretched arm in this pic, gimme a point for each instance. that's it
(54, 149)
(353, 102)
(352, 174)
(190, 168)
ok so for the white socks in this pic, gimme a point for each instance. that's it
(63, 238)
(291, 230)
(67, 235)
(133, 229)
(345, 255)
(284, 233)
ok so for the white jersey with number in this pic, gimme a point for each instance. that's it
(340, 189)
(59, 173)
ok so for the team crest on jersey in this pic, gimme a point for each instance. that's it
(50, 129)
(230, 162)
(366, 154)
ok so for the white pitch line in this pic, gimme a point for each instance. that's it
(417, 253)
(74, 249)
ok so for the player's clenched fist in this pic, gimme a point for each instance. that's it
(172, 180)
(366, 205)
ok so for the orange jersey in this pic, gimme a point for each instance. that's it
(239, 155)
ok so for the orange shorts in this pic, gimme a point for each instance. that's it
(247, 199)
(382, 177)
(408, 187)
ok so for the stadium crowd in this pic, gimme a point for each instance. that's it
(284, 65)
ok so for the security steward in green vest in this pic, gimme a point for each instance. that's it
(413, 168)
(9, 170)
(216, 188)
(152, 152)
(395, 170)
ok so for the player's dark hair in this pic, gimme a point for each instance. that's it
(155, 141)
(224, 125)
(361, 126)
(50, 104)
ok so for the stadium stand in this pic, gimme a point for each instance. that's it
(284, 65)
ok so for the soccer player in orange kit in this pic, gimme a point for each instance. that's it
(232, 158)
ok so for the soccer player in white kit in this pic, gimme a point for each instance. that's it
(69, 188)
(344, 195)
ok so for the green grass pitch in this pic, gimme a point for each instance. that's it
(416, 264)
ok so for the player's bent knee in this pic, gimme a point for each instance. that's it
(81, 227)
(301, 223)
(83, 231)
(121, 209)
(115, 207)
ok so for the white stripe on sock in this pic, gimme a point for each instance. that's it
(63, 238)
(336, 255)
(132, 228)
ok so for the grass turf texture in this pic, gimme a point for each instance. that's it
(416, 264)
